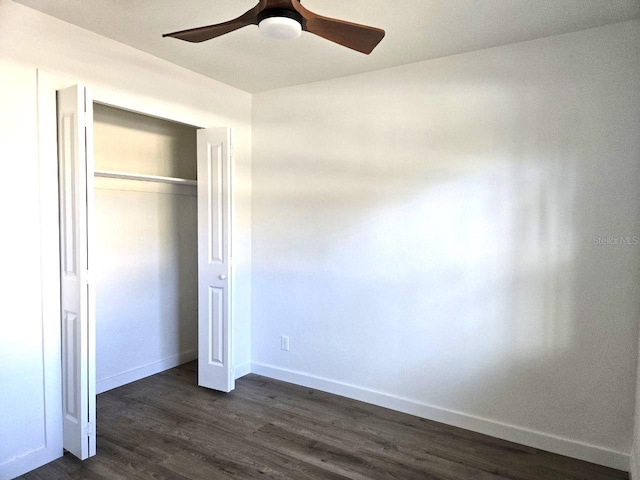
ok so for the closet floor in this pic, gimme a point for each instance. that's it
(165, 427)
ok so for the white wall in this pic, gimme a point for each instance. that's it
(30, 419)
(30, 40)
(146, 266)
(425, 236)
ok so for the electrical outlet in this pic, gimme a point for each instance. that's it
(284, 343)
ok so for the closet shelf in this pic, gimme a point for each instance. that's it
(145, 178)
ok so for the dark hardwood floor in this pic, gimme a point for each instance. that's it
(165, 427)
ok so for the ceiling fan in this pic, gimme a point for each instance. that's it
(286, 19)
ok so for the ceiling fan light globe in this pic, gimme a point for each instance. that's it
(280, 28)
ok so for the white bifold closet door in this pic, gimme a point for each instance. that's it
(214, 259)
(75, 167)
(76, 193)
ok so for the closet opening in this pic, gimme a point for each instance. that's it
(145, 267)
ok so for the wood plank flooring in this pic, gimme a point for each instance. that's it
(165, 427)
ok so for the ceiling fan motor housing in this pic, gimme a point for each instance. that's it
(281, 13)
(280, 23)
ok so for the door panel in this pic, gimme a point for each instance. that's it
(75, 164)
(214, 259)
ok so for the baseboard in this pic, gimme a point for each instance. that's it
(139, 373)
(512, 433)
(242, 370)
(25, 463)
(634, 474)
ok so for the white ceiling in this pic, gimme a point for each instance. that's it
(416, 30)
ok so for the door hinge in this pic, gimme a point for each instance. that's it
(90, 429)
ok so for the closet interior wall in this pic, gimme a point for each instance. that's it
(146, 246)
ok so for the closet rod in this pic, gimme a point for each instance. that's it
(144, 178)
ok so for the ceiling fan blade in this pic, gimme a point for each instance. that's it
(201, 34)
(361, 38)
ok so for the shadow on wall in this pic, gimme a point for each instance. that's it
(464, 252)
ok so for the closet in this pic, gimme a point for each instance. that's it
(145, 253)
(145, 268)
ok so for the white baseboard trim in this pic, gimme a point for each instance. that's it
(242, 370)
(25, 463)
(139, 373)
(512, 433)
